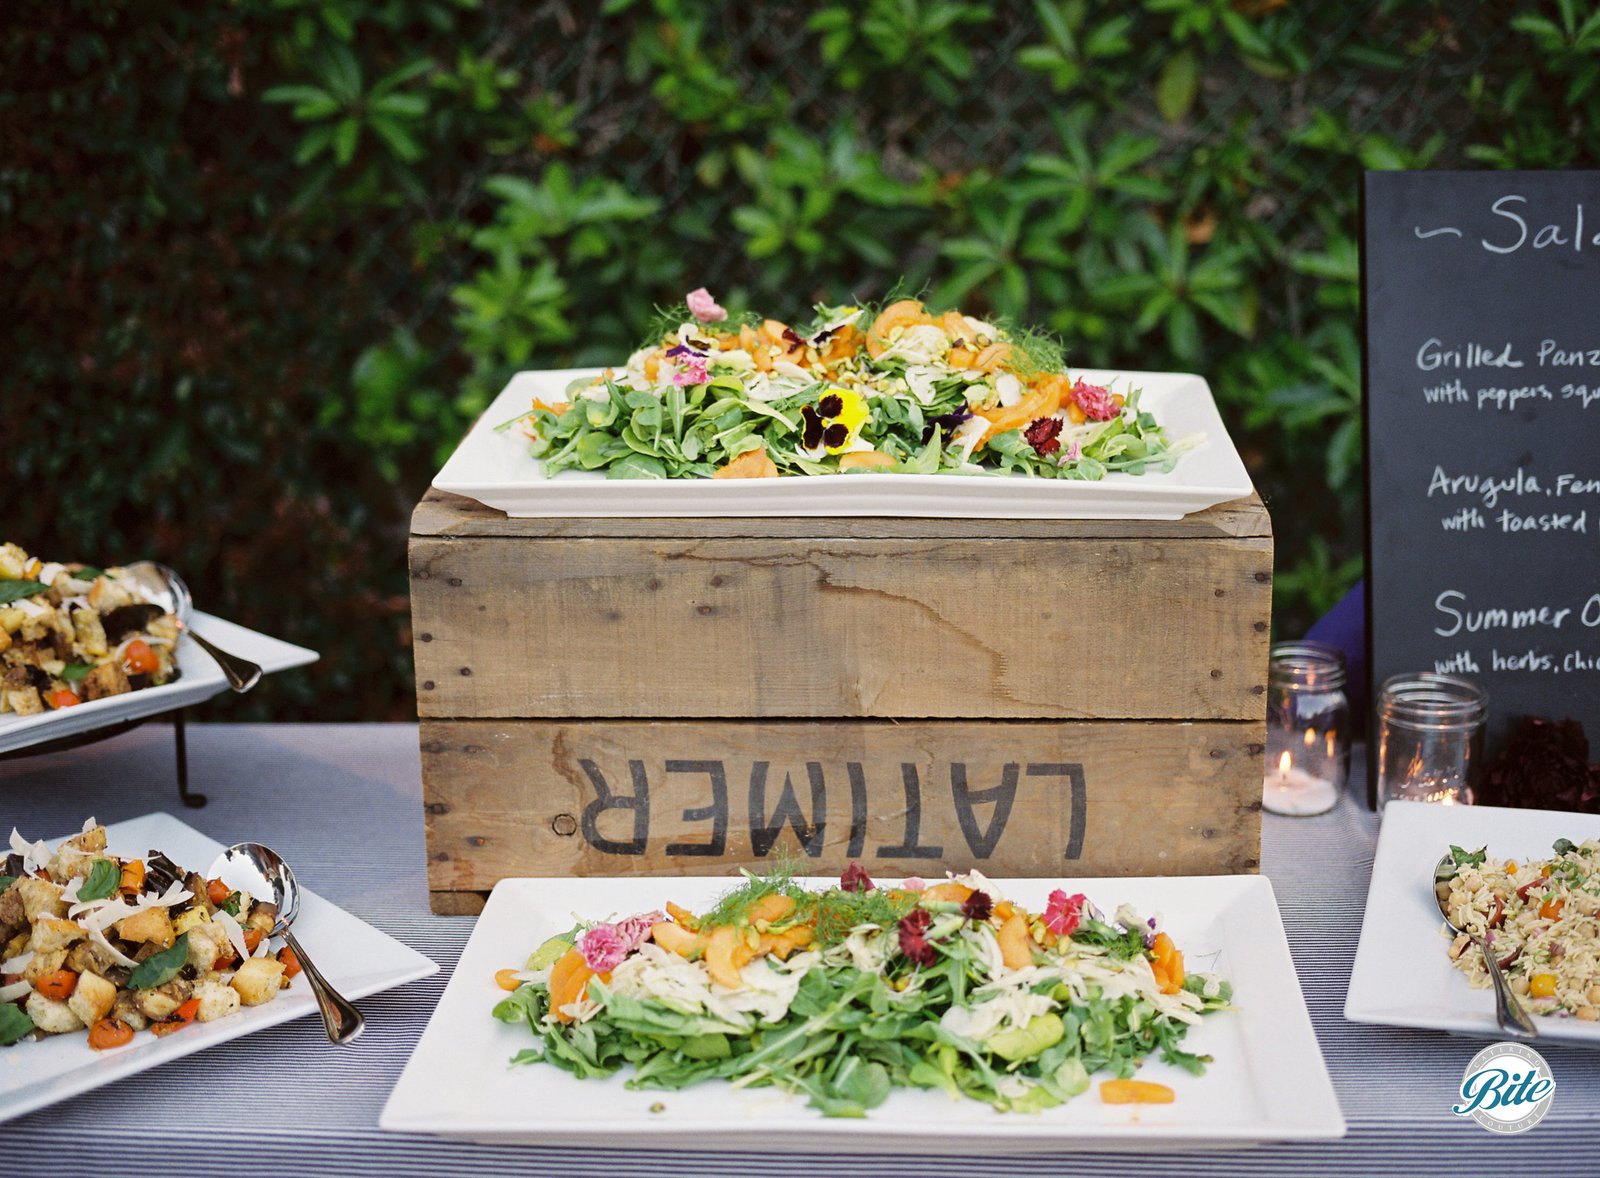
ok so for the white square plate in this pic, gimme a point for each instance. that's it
(1268, 1082)
(201, 679)
(357, 958)
(1402, 976)
(496, 469)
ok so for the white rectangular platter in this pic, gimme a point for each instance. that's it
(201, 679)
(357, 958)
(496, 469)
(1268, 1083)
(1403, 935)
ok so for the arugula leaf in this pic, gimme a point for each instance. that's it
(16, 590)
(103, 879)
(77, 672)
(161, 968)
(14, 1024)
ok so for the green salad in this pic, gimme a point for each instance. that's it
(856, 390)
(844, 994)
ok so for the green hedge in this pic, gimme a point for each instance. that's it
(268, 258)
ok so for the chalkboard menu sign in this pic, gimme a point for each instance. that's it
(1483, 434)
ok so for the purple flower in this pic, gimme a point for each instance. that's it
(855, 879)
(979, 906)
(914, 937)
(683, 350)
(703, 307)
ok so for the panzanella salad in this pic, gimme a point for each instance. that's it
(845, 994)
(902, 389)
(92, 941)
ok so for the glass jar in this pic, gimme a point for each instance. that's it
(1430, 738)
(1308, 729)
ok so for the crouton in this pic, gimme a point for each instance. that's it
(106, 680)
(216, 1001)
(24, 701)
(92, 998)
(51, 933)
(207, 942)
(90, 633)
(40, 897)
(158, 1004)
(51, 1017)
(44, 964)
(258, 980)
(153, 926)
(127, 1009)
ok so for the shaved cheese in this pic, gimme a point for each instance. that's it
(29, 608)
(89, 825)
(69, 894)
(235, 932)
(117, 955)
(34, 855)
(14, 991)
(17, 964)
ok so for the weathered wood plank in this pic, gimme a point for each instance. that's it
(1172, 629)
(1030, 798)
(443, 514)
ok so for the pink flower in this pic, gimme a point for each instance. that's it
(1063, 913)
(914, 883)
(1095, 401)
(602, 948)
(691, 370)
(1074, 452)
(606, 945)
(703, 307)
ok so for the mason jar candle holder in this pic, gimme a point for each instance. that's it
(1430, 738)
(1308, 729)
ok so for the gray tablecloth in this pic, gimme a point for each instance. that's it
(345, 802)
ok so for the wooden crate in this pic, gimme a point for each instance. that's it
(671, 696)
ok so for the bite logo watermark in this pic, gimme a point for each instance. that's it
(1507, 1088)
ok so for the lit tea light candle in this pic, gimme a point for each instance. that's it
(1294, 791)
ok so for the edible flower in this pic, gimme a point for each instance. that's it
(833, 424)
(1063, 913)
(979, 906)
(703, 307)
(606, 945)
(691, 370)
(855, 879)
(1044, 435)
(1096, 401)
(914, 936)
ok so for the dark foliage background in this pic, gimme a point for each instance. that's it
(265, 259)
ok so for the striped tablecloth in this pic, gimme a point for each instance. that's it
(345, 802)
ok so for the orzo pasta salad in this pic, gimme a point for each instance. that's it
(1541, 920)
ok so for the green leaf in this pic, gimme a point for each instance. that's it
(104, 876)
(1561, 847)
(162, 967)
(6, 881)
(231, 904)
(76, 672)
(1178, 85)
(16, 590)
(14, 1024)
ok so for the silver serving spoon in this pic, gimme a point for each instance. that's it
(260, 871)
(1508, 1012)
(159, 585)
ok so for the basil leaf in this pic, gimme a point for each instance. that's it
(1562, 846)
(6, 881)
(1468, 859)
(88, 573)
(16, 590)
(103, 879)
(77, 672)
(14, 1024)
(231, 904)
(161, 968)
